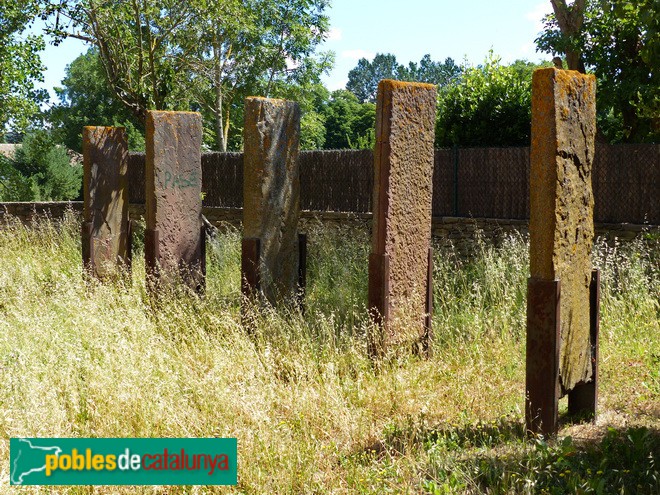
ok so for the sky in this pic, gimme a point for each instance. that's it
(464, 30)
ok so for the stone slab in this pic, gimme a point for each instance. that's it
(173, 178)
(561, 205)
(271, 192)
(105, 193)
(403, 187)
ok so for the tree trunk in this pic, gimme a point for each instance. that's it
(219, 125)
(570, 21)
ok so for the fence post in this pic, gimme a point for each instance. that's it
(455, 152)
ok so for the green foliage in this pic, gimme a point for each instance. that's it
(489, 105)
(86, 99)
(364, 78)
(20, 65)
(348, 123)
(202, 55)
(42, 171)
(620, 42)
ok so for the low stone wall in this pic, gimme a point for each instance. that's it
(459, 231)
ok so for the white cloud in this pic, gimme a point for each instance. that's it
(537, 14)
(334, 34)
(357, 54)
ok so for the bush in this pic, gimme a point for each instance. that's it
(41, 171)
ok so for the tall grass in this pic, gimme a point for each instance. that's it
(310, 411)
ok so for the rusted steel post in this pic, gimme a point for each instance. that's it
(542, 356)
(87, 246)
(302, 270)
(151, 252)
(129, 245)
(250, 283)
(378, 300)
(428, 323)
(583, 399)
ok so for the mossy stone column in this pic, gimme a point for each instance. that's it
(399, 265)
(561, 232)
(105, 232)
(271, 196)
(174, 239)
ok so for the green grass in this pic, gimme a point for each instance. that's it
(310, 411)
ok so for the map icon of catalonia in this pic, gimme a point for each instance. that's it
(29, 459)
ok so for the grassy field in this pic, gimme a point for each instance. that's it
(310, 411)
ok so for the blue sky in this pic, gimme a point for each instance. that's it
(462, 30)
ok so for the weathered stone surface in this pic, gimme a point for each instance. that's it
(173, 193)
(403, 173)
(271, 191)
(561, 205)
(105, 189)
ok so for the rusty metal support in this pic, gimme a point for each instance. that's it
(250, 252)
(542, 372)
(151, 252)
(427, 338)
(583, 399)
(302, 271)
(378, 300)
(87, 247)
(129, 246)
(201, 283)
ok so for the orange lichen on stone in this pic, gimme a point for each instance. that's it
(561, 205)
(403, 172)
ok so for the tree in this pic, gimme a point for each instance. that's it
(364, 78)
(569, 19)
(348, 123)
(86, 99)
(20, 65)
(489, 105)
(40, 171)
(619, 41)
(429, 71)
(195, 54)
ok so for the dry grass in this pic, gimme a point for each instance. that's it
(310, 412)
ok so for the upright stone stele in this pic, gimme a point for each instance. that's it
(561, 238)
(271, 197)
(400, 261)
(106, 231)
(174, 237)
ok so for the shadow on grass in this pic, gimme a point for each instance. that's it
(498, 458)
(621, 461)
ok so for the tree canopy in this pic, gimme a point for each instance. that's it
(364, 78)
(86, 99)
(20, 65)
(196, 54)
(619, 41)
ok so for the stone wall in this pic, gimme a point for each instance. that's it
(459, 231)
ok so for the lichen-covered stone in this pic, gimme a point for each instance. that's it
(271, 191)
(105, 189)
(403, 187)
(173, 178)
(561, 205)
